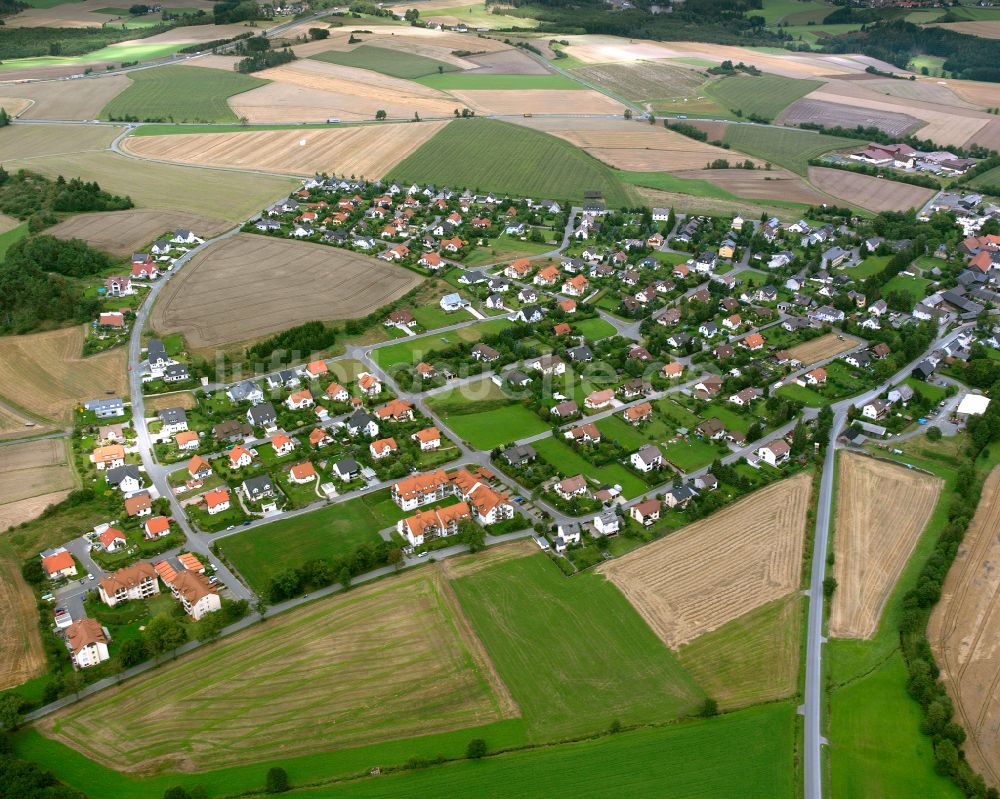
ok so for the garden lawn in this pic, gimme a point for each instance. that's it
(666, 181)
(411, 350)
(397, 63)
(913, 287)
(567, 460)
(691, 454)
(486, 425)
(761, 95)
(872, 265)
(617, 429)
(928, 390)
(180, 93)
(593, 329)
(786, 147)
(260, 553)
(506, 158)
(794, 391)
(507, 248)
(746, 754)
(574, 653)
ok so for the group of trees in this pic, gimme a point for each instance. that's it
(322, 572)
(264, 59)
(293, 344)
(37, 199)
(897, 41)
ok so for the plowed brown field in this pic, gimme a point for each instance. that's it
(369, 151)
(882, 509)
(964, 632)
(717, 569)
(875, 194)
(769, 184)
(249, 286)
(21, 654)
(123, 232)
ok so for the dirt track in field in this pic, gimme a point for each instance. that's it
(124, 232)
(46, 372)
(823, 347)
(872, 193)
(717, 569)
(964, 632)
(249, 286)
(366, 151)
(882, 509)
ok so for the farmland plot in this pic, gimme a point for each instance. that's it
(964, 629)
(124, 232)
(875, 194)
(384, 662)
(35, 141)
(761, 184)
(821, 112)
(249, 286)
(369, 151)
(696, 580)
(763, 95)
(881, 511)
(823, 347)
(21, 654)
(644, 80)
(47, 372)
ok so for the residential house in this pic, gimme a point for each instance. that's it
(58, 563)
(156, 527)
(646, 512)
(383, 448)
(87, 642)
(216, 501)
(775, 452)
(138, 581)
(196, 594)
(647, 459)
(426, 525)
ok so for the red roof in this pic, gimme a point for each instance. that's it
(215, 497)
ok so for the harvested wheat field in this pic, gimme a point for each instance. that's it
(47, 373)
(212, 193)
(313, 91)
(830, 114)
(85, 14)
(633, 146)
(33, 468)
(33, 143)
(249, 286)
(177, 399)
(123, 232)
(874, 194)
(382, 663)
(537, 101)
(16, 424)
(717, 569)
(927, 90)
(24, 510)
(78, 99)
(964, 632)
(369, 150)
(823, 347)
(21, 654)
(645, 80)
(988, 135)
(882, 509)
(979, 94)
(984, 28)
(770, 184)
(14, 106)
(945, 124)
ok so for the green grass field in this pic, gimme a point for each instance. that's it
(464, 81)
(11, 237)
(666, 181)
(411, 349)
(989, 178)
(113, 52)
(690, 455)
(48, 3)
(794, 12)
(872, 265)
(762, 95)
(877, 748)
(396, 63)
(259, 554)
(591, 658)
(745, 754)
(564, 458)
(593, 329)
(488, 424)
(508, 158)
(477, 15)
(617, 429)
(752, 659)
(181, 93)
(914, 287)
(789, 148)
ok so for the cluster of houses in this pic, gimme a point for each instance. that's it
(908, 159)
(416, 225)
